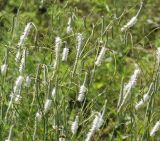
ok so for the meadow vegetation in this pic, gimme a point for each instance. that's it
(79, 70)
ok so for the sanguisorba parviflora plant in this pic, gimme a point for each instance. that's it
(57, 113)
(126, 92)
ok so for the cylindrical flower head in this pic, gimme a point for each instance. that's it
(25, 34)
(19, 81)
(95, 125)
(132, 21)
(4, 69)
(101, 121)
(28, 81)
(155, 128)
(132, 81)
(22, 64)
(61, 139)
(142, 101)
(69, 26)
(16, 90)
(17, 98)
(38, 116)
(100, 56)
(74, 126)
(58, 44)
(47, 105)
(98, 121)
(53, 92)
(65, 54)
(82, 92)
(69, 29)
(69, 21)
(79, 42)
(131, 84)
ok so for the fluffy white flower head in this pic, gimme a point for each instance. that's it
(100, 56)
(155, 128)
(65, 54)
(82, 92)
(19, 81)
(74, 126)
(47, 105)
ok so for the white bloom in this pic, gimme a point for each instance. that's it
(47, 105)
(101, 121)
(132, 21)
(132, 81)
(38, 116)
(74, 126)
(17, 88)
(17, 98)
(155, 128)
(145, 98)
(69, 26)
(15, 95)
(61, 139)
(69, 29)
(55, 127)
(69, 21)
(22, 64)
(58, 44)
(53, 92)
(19, 81)
(82, 92)
(28, 81)
(65, 54)
(97, 122)
(100, 56)
(131, 84)
(142, 101)
(41, 3)
(79, 42)
(25, 34)
(4, 69)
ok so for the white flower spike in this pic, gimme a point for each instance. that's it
(65, 54)
(155, 128)
(25, 34)
(101, 56)
(133, 20)
(97, 122)
(74, 126)
(82, 92)
(47, 105)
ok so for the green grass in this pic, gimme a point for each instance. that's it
(95, 19)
